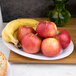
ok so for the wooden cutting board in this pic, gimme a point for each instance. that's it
(71, 28)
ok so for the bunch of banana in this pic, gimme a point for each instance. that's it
(9, 33)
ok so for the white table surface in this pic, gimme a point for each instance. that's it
(38, 69)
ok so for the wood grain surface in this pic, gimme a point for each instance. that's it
(71, 28)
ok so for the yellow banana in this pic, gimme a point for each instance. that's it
(12, 27)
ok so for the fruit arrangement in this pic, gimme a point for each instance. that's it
(35, 36)
(9, 33)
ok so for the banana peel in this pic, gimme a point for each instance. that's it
(9, 33)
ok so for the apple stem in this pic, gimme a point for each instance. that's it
(58, 32)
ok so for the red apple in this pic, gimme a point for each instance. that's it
(23, 30)
(50, 47)
(64, 38)
(46, 29)
(31, 43)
